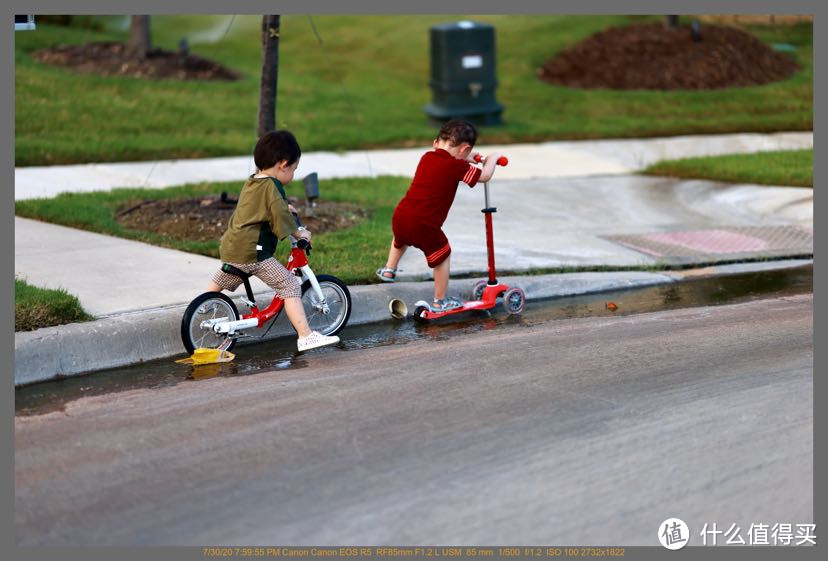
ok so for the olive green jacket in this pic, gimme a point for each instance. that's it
(260, 219)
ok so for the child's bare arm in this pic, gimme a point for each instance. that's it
(489, 164)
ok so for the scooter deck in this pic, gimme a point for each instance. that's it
(487, 301)
(429, 313)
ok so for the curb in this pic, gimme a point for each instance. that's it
(134, 337)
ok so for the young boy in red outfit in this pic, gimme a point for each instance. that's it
(419, 216)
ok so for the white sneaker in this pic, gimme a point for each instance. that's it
(314, 340)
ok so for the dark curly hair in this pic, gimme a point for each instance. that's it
(275, 146)
(458, 131)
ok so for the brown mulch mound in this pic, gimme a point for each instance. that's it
(113, 59)
(205, 218)
(654, 57)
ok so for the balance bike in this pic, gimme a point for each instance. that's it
(212, 320)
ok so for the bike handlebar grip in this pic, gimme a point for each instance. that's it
(501, 161)
(302, 243)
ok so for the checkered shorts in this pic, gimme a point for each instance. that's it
(270, 271)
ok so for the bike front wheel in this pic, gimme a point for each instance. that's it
(330, 316)
(196, 331)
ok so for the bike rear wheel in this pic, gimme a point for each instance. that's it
(331, 318)
(207, 306)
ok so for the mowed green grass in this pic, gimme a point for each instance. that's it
(789, 167)
(360, 81)
(36, 307)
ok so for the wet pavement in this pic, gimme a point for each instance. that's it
(280, 354)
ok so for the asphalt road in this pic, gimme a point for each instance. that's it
(572, 432)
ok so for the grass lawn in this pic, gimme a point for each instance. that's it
(360, 81)
(40, 307)
(791, 167)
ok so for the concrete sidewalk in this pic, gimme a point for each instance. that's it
(560, 204)
(540, 160)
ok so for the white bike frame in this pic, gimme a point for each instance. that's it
(224, 326)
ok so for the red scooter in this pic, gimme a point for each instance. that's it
(486, 292)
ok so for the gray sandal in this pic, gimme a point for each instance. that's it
(387, 275)
(446, 304)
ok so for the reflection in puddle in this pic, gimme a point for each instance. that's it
(280, 354)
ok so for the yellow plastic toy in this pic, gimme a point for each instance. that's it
(202, 356)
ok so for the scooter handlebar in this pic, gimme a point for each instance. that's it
(501, 161)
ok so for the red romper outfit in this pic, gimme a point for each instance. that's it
(419, 216)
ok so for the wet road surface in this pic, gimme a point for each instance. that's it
(534, 430)
(281, 354)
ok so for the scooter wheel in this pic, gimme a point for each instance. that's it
(477, 290)
(514, 300)
(419, 314)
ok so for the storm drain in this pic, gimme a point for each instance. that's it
(722, 244)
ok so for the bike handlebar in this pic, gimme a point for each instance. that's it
(501, 161)
(301, 243)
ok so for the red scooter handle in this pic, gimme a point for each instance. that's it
(501, 161)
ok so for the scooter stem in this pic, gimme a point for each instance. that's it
(488, 211)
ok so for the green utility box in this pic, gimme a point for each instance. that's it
(463, 79)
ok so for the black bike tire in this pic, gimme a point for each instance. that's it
(186, 319)
(347, 293)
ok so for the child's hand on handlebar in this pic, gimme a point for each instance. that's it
(489, 163)
(498, 158)
(302, 234)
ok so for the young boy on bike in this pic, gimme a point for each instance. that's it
(419, 216)
(263, 216)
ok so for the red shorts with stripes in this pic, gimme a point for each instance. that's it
(431, 240)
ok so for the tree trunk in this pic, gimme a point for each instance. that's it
(270, 73)
(139, 43)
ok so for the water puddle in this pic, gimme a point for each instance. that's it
(281, 353)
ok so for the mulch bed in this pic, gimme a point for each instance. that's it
(655, 57)
(113, 59)
(206, 218)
